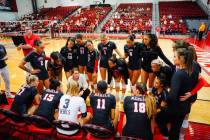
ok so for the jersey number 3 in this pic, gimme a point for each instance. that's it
(139, 107)
(101, 104)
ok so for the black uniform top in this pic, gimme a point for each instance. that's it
(168, 72)
(92, 58)
(106, 52)
(138, 124)
(70, 55)
(37, 61)
(49, 102)
(160, 97)
(195, 77)
(149, 54)
(180, 84)
(102, 104)
(133, 53)
(3, 53)
(56, 68)
(121, 68)
(82, 54)
(23, 99)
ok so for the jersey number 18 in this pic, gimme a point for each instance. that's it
(139, 107)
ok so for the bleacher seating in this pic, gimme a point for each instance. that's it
(86, 20)
(173, 13)
(132, 16)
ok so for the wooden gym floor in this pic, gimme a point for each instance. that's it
(200, 110)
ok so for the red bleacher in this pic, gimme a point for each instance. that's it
(178, 11)
(134, 16)
(86, 19)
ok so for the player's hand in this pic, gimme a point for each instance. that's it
(35, 71)
(185, 97)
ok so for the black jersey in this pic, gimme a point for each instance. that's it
(133, 53)
(106, 52)
(71, 57)
(160, 97)
(138, 124)
(102, 104)
(37, 61)
(49, 102)
(92, 61)
(55, 68)
(23, 99)
(149, 54)
(195, 76)
(119, 71)
(82, 54)
(181, 83)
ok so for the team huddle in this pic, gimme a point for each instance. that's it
(160, 98)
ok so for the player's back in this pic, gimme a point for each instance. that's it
(49, 102)
(70, 106)
(23, 99)
(102, 104)
(138, 124)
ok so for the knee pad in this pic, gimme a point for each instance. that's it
(185, 124)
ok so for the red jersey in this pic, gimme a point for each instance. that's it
(30, 41)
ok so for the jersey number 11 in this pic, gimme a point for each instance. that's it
(101, 104)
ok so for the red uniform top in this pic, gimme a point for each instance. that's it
(30, 41)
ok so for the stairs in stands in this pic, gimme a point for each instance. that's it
(155, 15)
(99, 28)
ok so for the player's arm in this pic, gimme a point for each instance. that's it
(118, 52)
(85, 117)
(22, 66)
(199, 85)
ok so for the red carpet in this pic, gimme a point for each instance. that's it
(196, 131)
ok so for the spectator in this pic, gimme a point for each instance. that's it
(201, 30)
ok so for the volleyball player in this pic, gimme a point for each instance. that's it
(103, 105)
(71, 104)
(37, 60)
(132, 50)
(139, 111)
(160, 93)
(69, 52)
(26, 96)
(197, 81)
(150, 51)
(82, 53)
(118, 70)
(158, 68)
(50, 100)
(55, 66)
(92, 65)
(4, 72)
(183, 76)
(105, 48)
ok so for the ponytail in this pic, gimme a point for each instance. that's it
(150, 105)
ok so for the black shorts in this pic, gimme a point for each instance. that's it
(82, 62)
(134, 67)
(193, 98)
(147, 69)
(68, 68)
(43, 75)
(90, 69)
(103, 64)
